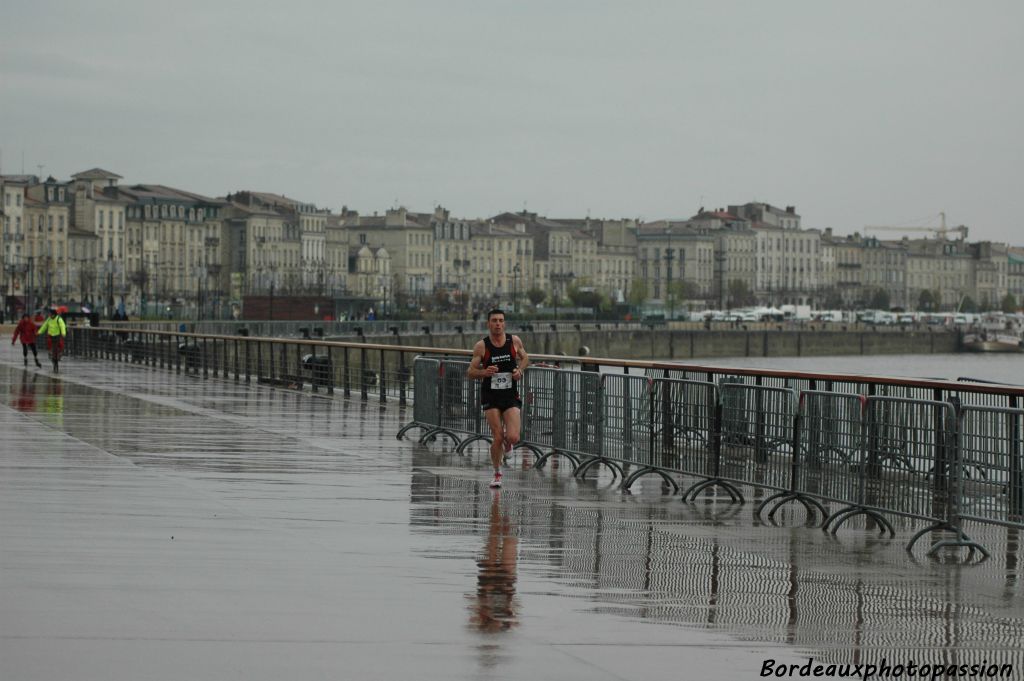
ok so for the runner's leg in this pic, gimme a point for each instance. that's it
(497, 437)
(513, 424)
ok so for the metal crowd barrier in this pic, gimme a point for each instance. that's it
(867, 455)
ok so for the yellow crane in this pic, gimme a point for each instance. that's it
(940, 232)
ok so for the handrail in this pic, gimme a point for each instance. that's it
(924, 383)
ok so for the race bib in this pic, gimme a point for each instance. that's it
(501, 381)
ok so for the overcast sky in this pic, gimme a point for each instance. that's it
(858, 114)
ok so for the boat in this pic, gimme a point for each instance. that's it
(993, 334)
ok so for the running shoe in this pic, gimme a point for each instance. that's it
(507, 446)
(496, 483)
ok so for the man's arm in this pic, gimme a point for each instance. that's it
(476, 370)
(522, 359)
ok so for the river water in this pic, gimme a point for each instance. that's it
(998, 367)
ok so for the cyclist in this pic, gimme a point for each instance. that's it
(55, 330)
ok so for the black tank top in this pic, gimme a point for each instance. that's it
(504, 358)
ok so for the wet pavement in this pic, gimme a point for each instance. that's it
(158, 526)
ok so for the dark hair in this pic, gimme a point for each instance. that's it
(53, 310)
(495, 311)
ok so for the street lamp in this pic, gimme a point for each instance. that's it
(515, 288)
(199, 272)
(109, 267)
(273, 278)
(559, 279)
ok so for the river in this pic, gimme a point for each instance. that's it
(998, 367)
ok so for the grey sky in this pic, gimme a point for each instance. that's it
(857, 113)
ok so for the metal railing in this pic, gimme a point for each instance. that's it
(940, 451)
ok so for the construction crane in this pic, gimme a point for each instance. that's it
(940, 232)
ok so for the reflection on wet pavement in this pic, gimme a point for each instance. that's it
(299, 521)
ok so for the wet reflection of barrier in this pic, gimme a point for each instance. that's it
(782, 587)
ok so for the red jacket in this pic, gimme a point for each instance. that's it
(27, 330)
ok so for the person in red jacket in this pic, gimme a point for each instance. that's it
(26, 330)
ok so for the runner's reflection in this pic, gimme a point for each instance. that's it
(494, 609)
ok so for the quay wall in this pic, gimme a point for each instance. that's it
(659, 344)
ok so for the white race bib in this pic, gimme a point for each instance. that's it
(501, 381)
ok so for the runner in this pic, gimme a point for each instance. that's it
(498, 362)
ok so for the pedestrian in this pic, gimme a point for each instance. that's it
(26, 331)
(499, 361)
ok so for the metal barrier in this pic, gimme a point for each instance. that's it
(756, 432)
(992, 465)
(680, 420)
(426, 398)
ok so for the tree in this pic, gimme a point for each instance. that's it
(926, 301)
(1009, 303)
(740, 294)
(585, 297)
(536, 295)
(832, 299)
(967, 304)
(879, 299)
(639, 292)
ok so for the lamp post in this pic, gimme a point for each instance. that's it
(273, 277)
(110, 282)
(669, 257)
(515, 288)
(559, 279)
(200, 274)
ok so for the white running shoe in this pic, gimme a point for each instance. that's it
(496, 483)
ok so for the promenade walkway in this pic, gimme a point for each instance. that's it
(160, 526)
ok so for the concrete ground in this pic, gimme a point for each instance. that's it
(157, 526)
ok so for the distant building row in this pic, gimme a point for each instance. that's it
(93, 239)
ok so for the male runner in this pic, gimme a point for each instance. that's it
(499, 361)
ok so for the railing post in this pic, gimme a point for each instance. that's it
(330, 371)
(381, 384)
(403, 378)
(344, 371)
(668, 435)
(945, 460)
(795, 459)
(363, 377)
(206, 351)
